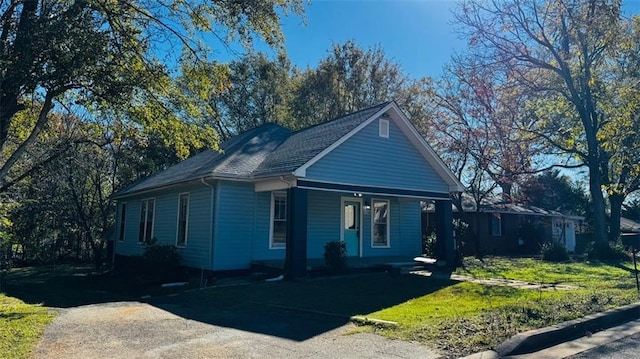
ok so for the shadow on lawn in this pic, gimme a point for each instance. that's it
(293, 310)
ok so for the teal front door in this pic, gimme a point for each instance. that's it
(351, 233)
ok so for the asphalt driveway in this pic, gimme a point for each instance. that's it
(163, 330)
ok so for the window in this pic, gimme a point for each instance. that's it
(278, 220)
(183, 217)
(383, 127)
(496, 224)
(380, 226)
(147, 207)
(123, 216)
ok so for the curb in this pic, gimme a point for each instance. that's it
(538, 339)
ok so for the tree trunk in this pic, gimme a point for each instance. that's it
(595, 188)
(614, 222)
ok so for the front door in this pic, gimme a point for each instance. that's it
(351, 225)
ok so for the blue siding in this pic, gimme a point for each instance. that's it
(323, 221)
(324, 225)
(261, 250)
(196, 252)
(234, 236)
(371, 160)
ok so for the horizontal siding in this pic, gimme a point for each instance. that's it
(196, 253)
(370, 160)
(261, 250)
(235, 226)
(198, 248)
(323, 221)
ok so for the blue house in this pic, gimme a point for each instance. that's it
(273, 194)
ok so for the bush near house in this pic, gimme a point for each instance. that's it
(554, 252)
(160, 263)
(335, 256)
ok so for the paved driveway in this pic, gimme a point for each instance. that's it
(163, 330)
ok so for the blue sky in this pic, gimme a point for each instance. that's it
(418, 34)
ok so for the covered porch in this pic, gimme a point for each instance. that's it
(367, 216)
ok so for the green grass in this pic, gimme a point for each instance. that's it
(21, 325)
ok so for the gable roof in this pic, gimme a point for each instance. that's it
(271, 150)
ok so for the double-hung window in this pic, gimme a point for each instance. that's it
(147, 209)
(183, 219)
(278, 235)
(380, 225)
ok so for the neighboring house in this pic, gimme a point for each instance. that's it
(275, 194)
(513, 228)
(630, 232)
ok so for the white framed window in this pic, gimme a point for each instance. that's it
(123, 219)
(147, 214)
(278, 230)
(380, 223)
(183, 220)
(383, 128)
(496, 224)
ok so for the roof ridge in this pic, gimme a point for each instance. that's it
(350, 114)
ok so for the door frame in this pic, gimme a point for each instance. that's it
(343, 200)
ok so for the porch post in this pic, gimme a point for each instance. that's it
(296, 251)
(445, 243)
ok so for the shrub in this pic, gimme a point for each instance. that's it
(429, 243)
(606, 251)
(554, 252)
(159, 263)
(335, 255)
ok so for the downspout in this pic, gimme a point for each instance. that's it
(212, 237)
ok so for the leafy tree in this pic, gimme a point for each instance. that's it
(347, 80)
(561, 51)
(552, 190)
(89, 54)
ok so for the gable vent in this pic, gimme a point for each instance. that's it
(383, 128)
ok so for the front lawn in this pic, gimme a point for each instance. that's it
(21, 325)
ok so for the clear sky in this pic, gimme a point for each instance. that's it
(418, 34)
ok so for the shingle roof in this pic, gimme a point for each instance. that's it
(266, 150)
(305, 144)
(239, 157)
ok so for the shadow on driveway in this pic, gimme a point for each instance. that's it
(292, 310)
(298, 310)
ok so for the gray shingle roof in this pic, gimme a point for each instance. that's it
(269, 149)
(305, 144)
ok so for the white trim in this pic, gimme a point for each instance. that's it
(342, 202)
(122, 228)
(275, 184)
(146, 215)
(302, 170)
(383, 128)
(186, 223)
(373, 200)
(272, 217)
